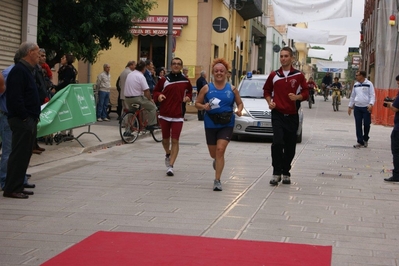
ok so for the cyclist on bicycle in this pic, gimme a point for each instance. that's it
(337, 87)
(137, 91)
(312, 86)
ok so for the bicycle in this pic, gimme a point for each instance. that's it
(134, 122)
(335, 96)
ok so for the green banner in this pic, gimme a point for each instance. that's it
(73, 106)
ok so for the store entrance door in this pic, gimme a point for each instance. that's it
(153, 48)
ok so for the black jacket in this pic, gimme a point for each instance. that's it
(201, 82)
(40, 83)
(22, 96)
(66, 76)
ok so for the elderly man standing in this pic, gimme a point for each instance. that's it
(23, 115)
(103, 87)
(130, 66)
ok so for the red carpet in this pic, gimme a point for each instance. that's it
(120, 248)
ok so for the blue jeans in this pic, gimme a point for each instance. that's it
(6, 136)
(102, 105)
(362, 122)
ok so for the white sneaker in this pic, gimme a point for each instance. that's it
(106, 119)
(99, 120)
(217, 186)
(167, 161)
(169, 172)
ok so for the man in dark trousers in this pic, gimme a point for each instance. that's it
(325, 83)
(23, 115)
(201, 82)
(283, 90)
(394, 106)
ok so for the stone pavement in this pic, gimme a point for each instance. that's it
(338, 196)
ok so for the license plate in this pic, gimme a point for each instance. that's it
(264, 124)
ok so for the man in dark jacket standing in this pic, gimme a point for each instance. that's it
(201, 82)
(23, 115)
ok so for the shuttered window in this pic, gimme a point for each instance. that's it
(10, 30)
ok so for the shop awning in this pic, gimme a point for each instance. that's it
(156, 30)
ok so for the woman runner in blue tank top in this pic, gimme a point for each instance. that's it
(217, 99)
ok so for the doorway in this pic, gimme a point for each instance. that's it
(153, 48)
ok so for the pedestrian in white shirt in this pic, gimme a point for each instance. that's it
(361, 101)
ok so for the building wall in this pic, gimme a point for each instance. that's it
(196, 45)
(117, 57)
(29, 20)
(273, 37)
(204, 36)
(302, 49)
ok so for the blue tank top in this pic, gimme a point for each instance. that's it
(220, 101)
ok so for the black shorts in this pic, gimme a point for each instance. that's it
(214, 134)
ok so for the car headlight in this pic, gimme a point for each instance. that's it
(243, 112)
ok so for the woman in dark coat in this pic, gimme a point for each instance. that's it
(66, 74)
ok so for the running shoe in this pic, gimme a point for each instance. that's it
(217, 186)
(169, 172)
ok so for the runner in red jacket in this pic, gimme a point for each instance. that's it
(170, 92)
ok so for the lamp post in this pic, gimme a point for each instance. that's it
(170, 35)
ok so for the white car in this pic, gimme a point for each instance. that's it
(256, 115)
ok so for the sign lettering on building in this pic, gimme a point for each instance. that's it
(181, 20)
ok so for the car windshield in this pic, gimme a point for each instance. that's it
(252, 88)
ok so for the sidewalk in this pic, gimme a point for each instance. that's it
(337, 196)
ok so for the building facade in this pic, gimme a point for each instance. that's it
(202, 30)
(18, 23)
(379, 50)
